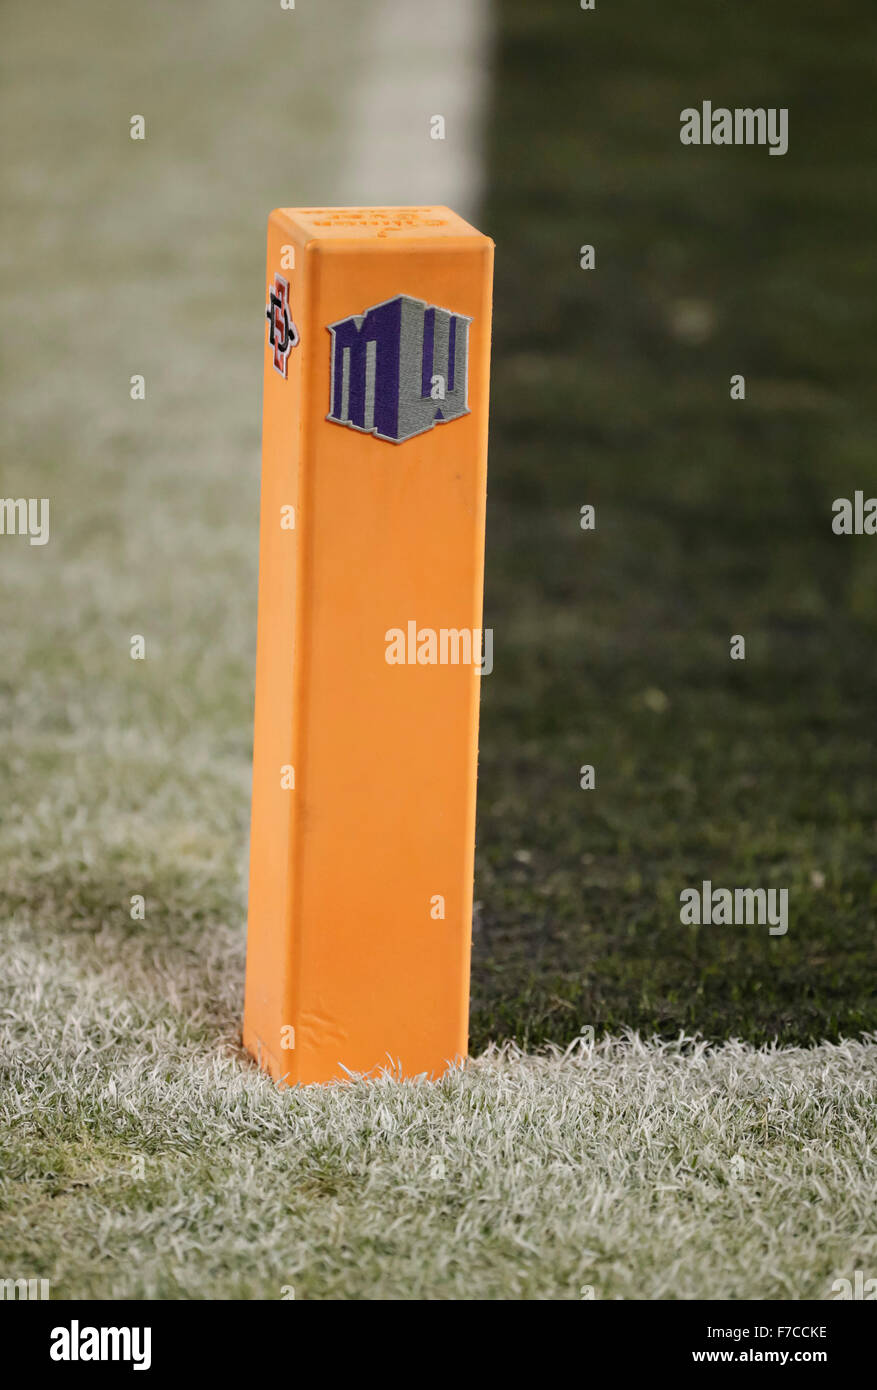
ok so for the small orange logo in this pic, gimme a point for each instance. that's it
(282, 332)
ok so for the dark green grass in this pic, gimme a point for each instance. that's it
(713, 518)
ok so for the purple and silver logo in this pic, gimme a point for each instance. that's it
(399, 368)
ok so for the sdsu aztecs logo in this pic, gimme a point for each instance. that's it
(282, 332)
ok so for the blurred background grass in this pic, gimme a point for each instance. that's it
(713, 518)
(610, 387)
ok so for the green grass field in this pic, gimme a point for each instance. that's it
(713, 518)
(528, 1175)
(169, 1170)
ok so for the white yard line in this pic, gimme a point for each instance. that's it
(419, 60)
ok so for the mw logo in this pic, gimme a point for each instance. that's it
(399, 368)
